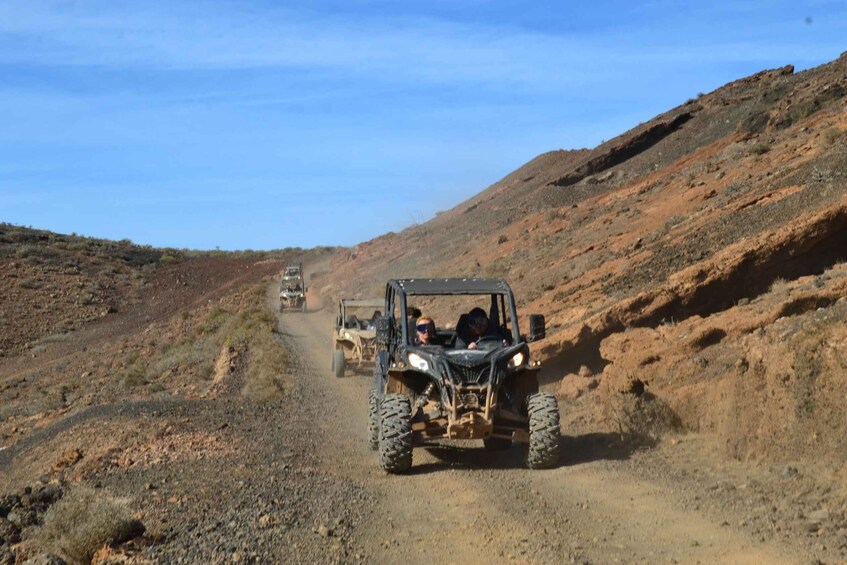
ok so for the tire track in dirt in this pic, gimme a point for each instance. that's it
(461, 503)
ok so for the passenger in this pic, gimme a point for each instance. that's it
(412, 315)
(425, 331)
(372, 321)
(477, 328)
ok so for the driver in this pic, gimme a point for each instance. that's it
(372, 321)
(478, 328)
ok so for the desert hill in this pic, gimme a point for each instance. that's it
(700, 254)
(118, 357)
(86, 322)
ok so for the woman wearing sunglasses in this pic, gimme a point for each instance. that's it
(425, 328)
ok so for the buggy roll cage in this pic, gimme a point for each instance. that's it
(345, 303)
(502, 299)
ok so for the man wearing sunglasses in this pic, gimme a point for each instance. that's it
(425, 329)
(477, 328)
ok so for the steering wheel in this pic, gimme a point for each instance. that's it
(489, 343)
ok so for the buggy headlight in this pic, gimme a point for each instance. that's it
(418, 362)
(516, 360)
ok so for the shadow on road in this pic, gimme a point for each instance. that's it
(606, 446)
(465, 457)
(575, 450)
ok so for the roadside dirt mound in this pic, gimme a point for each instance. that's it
(696, 260)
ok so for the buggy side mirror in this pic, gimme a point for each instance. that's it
(384, 330)
(536, 327)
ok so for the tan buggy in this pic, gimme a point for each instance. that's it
(292, 289)
(353, 340)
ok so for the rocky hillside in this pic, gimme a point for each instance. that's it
(103, 342)
(691, 270)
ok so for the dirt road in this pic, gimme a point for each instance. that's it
(226, 479)
(467, 505)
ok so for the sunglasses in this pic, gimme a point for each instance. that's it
(425, 328)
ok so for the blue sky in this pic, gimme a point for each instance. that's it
(265, 124)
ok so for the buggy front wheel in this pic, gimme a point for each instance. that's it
(544, 434)
(395, 433)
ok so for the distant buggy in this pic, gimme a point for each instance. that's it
(353, 339)
(439, 391)
(292, 289)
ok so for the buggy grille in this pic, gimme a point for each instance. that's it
(468, 375)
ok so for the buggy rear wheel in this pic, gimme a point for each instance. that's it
(373, 420)
(303, 307)
(395, 433)
(338, 362)
(544, 434)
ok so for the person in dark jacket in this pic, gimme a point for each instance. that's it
(477, 327)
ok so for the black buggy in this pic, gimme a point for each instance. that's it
(438, 391)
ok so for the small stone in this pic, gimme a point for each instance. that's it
(9, 532)
(818, 515)
(809, 526)
(265, 521)
(48, 494)
(324, 532)
(7, 556)
(14, 518)
(68, 458)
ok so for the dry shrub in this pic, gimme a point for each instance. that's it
(83, 521)
(760, 148)
(640, 414)
(833, 135)
(264, 379)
